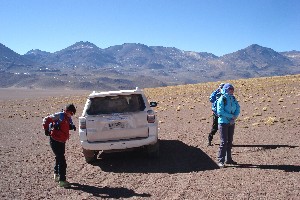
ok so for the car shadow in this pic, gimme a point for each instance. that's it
(107, 192)
(175, 157)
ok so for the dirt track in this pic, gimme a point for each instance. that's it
(266, 147)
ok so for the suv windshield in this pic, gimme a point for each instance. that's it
(116, 104)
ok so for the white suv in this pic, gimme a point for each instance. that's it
(118, 120)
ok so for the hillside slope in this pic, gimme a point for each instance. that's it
(83, 65)
(266, 147)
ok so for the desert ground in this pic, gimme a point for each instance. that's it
(266, 147)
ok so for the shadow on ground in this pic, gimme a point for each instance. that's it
(286, 168)
(175, 157)
(264, 146)
(107, 192)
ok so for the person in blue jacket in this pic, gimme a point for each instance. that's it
(228, 109)
(215, 95)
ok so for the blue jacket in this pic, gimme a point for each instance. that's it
(213, 99)
(227, 109)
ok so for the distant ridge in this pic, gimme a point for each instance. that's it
(83, 65)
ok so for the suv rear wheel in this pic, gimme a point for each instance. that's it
(90, 155)
(153, 150)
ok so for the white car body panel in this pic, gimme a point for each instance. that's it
(117, 131)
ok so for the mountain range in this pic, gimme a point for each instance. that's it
(83, 65)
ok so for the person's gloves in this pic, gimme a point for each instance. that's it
(72, 127)
(47, 133)
(232, 121)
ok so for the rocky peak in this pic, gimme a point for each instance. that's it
(81, 46)
(37, 52)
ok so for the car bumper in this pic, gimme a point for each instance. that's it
(118, 145)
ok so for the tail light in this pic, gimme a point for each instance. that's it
(82, 124)
(150, 116)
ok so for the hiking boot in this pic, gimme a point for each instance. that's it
(56, 177)
(231, 162)
(64, 184)
(221, 164)
(209, 141)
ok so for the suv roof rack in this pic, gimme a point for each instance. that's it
(115, 92)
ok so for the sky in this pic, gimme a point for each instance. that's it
(214, 26)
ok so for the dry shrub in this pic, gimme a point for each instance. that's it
(271, 120)
(265, 108)
(246, 118)
(256, 124)
(280, 100)
(257, 114)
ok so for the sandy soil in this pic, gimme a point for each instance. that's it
(266, 147)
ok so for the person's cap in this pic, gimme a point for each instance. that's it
(71, 107)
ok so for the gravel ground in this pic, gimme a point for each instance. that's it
(266, 147)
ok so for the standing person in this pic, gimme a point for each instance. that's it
(213, 99)
(57, 126)
(228, 110)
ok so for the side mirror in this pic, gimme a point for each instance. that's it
(153, 104)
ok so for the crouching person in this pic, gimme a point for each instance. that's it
(228, 110)
(57, 126)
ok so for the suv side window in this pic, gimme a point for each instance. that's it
(116, 104)
(141, 102)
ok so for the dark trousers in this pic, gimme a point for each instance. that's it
(60, 167)
(226, 137)
(214, 127)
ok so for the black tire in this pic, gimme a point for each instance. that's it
(153, 150)
(90, 155)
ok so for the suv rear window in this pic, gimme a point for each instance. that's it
(116, 104)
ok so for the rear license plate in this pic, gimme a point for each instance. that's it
(116, 125)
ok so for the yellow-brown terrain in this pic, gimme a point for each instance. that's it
(266, 147)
